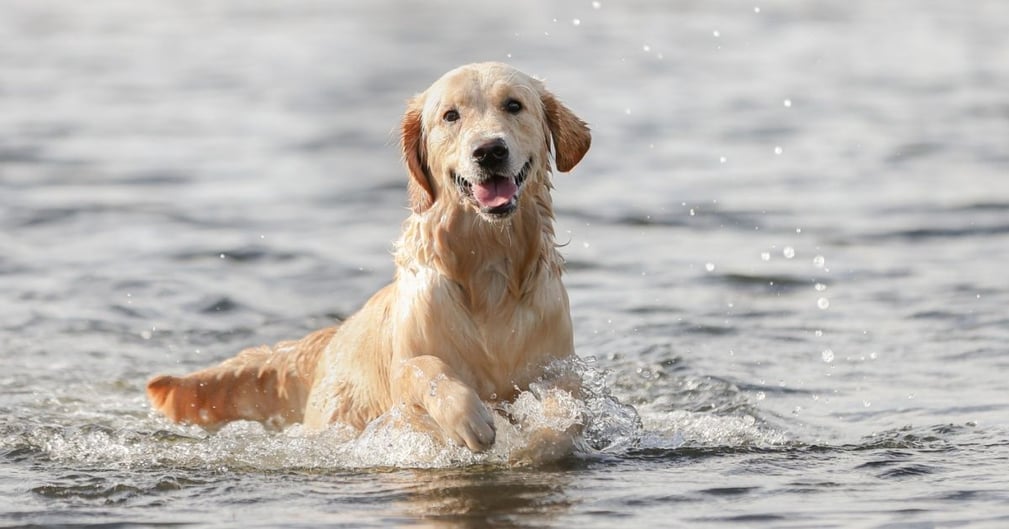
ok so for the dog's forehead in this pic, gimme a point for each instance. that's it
(475, 84)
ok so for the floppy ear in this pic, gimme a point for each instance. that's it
(571, 134)
(419, 187)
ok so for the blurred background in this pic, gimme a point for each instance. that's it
(791, 230)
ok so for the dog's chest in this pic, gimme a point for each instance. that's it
(498, 332)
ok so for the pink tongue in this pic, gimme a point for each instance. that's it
(495, 192)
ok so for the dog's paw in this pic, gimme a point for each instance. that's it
(463, 418)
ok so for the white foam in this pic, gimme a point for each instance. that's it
(539, 426)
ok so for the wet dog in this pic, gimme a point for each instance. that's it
(477, 309)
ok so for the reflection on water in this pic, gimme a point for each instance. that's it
(479, 497)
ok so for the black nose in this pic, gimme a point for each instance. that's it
(492, 153)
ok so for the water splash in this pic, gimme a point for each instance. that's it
(543, 424)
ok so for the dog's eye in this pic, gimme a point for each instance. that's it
(512, 106)
(451, 115)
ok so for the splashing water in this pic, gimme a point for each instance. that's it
(540, 425)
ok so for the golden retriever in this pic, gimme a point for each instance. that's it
(477, 309)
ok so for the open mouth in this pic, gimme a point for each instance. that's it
(495, 195)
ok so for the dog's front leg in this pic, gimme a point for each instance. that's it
(428, 383)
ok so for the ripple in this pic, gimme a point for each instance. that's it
(907, 471)
(222, 304)
(729, 491)
(242, 254)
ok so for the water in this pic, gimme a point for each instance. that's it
(786, 250)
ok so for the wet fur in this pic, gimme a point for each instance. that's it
(477, 308)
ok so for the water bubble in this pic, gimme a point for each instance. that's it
(722, 159)
(788, 252)
(778, 149)
(866, 403)
(576, 22)
(818, 333)
(827, 355)
(820, 287)
(222, 256)
(691, 212)
(585, 245)
(145, 334)
(819, 261)
(787, 103)
(627, 111)
(596, 5)
(756, 9)
(761, 395)
(823, 303)
(646, 48)
(765, 256)
(710, 267)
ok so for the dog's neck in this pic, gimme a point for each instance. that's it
(492, 262)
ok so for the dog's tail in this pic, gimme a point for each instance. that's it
(266, 384)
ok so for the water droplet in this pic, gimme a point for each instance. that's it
(691, 212)
(716, 33)
(710, 267)
(866, 403)
(787, 103)
(761, 395)
(596, 5)
(145, 334)
(585, 245)
(827, 355)
(820, 287)
(509, 55)
(819, 261)
(788, 252)
(722, 159)
(576, 22)
(765, 256)
(818, 333)
(823, 303)
(756, 9)
(646, 48)
(627, 111)
(222, 256)
(778, 149)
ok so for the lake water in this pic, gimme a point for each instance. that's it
(787, 250)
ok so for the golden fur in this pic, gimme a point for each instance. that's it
(477, 308)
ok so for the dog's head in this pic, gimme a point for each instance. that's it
(481, 134)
